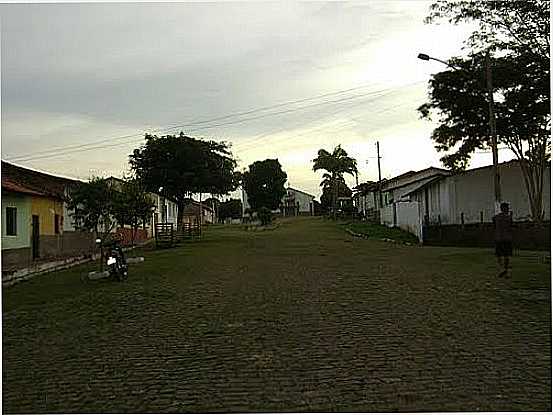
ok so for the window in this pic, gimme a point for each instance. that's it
(11, 221)
(56, 224)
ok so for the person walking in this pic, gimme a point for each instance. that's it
(503, 224)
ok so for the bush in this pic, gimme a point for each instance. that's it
(265, 216)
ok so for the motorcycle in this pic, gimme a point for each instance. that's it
(118, 268)
(115, 259)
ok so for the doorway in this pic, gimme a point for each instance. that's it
(35, 237)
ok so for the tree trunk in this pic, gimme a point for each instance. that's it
(533, 179)
(180, 213)
(133, 233)
(201, 213)
(334, 195)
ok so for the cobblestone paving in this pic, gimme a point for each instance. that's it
(302, 318)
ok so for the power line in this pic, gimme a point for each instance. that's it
(248, 145)
(198, 122)
(93, 146)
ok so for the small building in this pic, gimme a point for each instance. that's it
(294, 202)
(191, 213)
(36, 223)
(297, 202)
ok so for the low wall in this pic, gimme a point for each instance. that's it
(14, 258)
(387, 215)
(526, 235)
(140, 236)
(407, 218)
(52, 247)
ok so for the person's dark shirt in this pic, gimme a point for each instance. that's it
(503, 227)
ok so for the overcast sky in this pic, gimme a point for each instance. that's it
(75, 74)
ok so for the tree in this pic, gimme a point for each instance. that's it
(264, 184)
(230, 209)
(336, 164)
(184, 165)
(518, 26)
(92, 206)
(327, 196)
(132, 205)
(519, 33)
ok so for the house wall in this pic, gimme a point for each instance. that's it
(387, 215)
(68, 222)
(472, 194)
(46, 208)
(408, 218)
(23, 205)
(305, 201)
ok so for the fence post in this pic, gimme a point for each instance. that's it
(481, 216)
(462, 220)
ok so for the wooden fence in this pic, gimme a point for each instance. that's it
(168, 236)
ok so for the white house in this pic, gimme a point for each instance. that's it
(468, 197)
(294, 202)
(297, 202)
(165, 211)
(396, 196)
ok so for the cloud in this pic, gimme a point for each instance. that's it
(77, 73)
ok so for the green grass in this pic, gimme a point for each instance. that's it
(374, 231)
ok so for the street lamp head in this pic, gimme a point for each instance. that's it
(423, 56)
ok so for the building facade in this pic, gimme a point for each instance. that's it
(294, 203)
(36, 224)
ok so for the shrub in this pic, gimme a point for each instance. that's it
(265, 216)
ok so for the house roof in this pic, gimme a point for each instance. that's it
(31, 180)
(392, 183)
(191, 202)
(12, 186)
(427, 183)
(441, 177)
(300, 191)
(364, 188)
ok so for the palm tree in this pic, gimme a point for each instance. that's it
(336, 164)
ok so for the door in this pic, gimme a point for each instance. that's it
(35, 235)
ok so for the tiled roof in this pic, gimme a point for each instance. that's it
(12, 186)
(32, 180)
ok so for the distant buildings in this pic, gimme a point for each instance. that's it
(294, 203)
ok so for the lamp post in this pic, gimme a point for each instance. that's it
(493, 131)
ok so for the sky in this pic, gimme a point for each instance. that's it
(82, 83)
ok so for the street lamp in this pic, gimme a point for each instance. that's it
(493, 132)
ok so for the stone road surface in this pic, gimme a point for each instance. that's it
(302, 318)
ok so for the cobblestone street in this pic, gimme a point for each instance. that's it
(301, 318)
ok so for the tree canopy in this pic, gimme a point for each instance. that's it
(230, 209)
(264, 184)
(92, 206)
(184, 165)
(517, 33)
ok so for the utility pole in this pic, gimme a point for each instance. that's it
(493, 134)
(379, 175)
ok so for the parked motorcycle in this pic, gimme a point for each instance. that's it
(117, 263)
(118, 268)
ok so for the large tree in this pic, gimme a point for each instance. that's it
(518, 33)
(264, 184)
(336, 164)
(184, 165)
